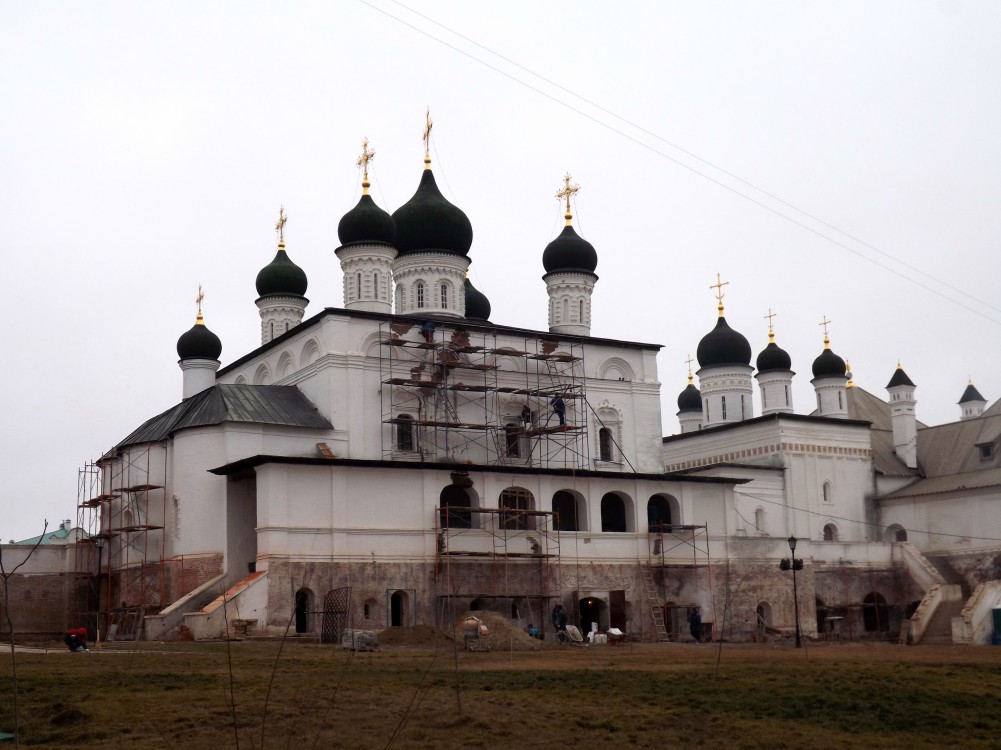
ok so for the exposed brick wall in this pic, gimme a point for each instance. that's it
(42, 606)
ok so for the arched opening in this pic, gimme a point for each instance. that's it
(605, 445)
(614, 516)
(455, 504)
(514, 502)
(399, 609)
(592, 609)
(658, 514)
(895, 533)
(512, 441)
(763, 619)
(830, 532)
(875, 613)
(828, 493)
(477, 604)
(568, 512)
(821, 609)
(304, 611)
(404, 432)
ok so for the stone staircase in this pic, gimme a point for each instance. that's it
(944, 567)
(939, 630)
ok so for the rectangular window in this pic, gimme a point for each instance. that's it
(444, 296)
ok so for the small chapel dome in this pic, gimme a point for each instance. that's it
(828, 364)
(690, 399)
(199, 342)
(569, 252)
(428, 222)
(773, 358)
(723, 346)
(281, 277)
(899, 378)
(368, 223)
(477, 304)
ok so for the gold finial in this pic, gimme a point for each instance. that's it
(848, 372)
(718, 286)
(827, 341)
(566, 193)
(689, 363)
(280, 226)
(199, 321)
(363, 160)
(771, 327)
(427, 138)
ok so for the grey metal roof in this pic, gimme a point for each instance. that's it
(257, 404)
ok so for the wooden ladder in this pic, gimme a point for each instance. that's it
(656, 606)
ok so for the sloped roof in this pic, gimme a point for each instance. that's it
(970, 480)
(257, 404)
(994, 410)
(952, 448)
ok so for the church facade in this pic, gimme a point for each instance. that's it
(403, 459)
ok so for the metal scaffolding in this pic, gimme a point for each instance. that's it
(450, 394)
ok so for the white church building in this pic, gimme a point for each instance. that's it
(403, 459)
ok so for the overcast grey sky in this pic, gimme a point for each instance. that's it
(146, 148)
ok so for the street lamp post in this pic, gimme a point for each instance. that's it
(795, 565)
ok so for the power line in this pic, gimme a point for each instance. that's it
(696, 171)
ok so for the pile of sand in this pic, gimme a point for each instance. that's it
(414, 636)
(504, 635)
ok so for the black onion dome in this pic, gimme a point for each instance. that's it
(690, 399)
(569, 252)
(899, 378)
(429, 222)
(971, 394)
(773, 358)
(199, 343)
(828, 365)
(281, 277)
(366, 222)
(723, 346)
(477, 304)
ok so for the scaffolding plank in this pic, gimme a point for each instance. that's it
(142, 488)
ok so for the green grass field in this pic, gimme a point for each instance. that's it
(648, 696)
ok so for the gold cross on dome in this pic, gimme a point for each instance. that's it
(428, 124)
(718, 286)
(567, 192)
(280, 226)
(366, 156)
(769, 317)
(198, 301)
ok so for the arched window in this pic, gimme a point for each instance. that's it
(399, 299)
(565, 512)
(875, 613)
(723, 401)
(566, 311)
(444, 296)
(613, 513)
(605, 445)
(759, 520)
(455, 508)
(828, 493)
(375, 284)
(514, 501)
(658, 514)
(404, 432)
(358, 285)
(419, 293)
(830, 532)
(272, 329)
(512, 441)
(580, 311)
(895, 533)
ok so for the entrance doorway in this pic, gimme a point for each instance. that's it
(399, 609)
(592, 609)
(304, 611)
